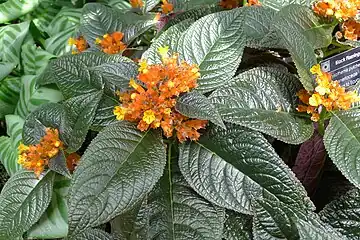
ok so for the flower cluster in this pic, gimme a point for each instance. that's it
(343, 10)
(166, 7)
(152, 102)
(328, 94)
(111, 43)
(230, 4)
(79, 43)
(36, 157)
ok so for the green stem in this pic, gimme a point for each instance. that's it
(244, 2)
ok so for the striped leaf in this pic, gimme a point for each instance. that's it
(44, 13)
(8, 145)
(13, 9)
(11, 38)
(9, 95)
(53, 223)
(34, 59)
(120, 4)
(57, 44)
(5, 69)
(65, 19)
(32, 97)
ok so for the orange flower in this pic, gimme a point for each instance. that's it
(111, 43)
(230, 4)
(340, 9)
(253, 3)
(351, 30)
(36, 157)
(328, 94)
(80, 44)
(152, 102)
(167, 7)
(136, 3)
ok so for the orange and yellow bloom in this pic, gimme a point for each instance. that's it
(79, 43)
(166, 7)
(328, 94)
(136, 3)
(345, 11)
(152, 101)
(36, 157)
(230, 4)
(112, 43)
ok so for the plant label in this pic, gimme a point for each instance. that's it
(344, 67)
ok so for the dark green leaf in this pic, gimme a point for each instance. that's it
(53, 223)
(343, 214)
(22, 202)
(103, 189)
(58, 164)
(79, 114)
(342, 142)
(9, 95)
(196, 105)
(237, 226)
(278, 4)
(48, 115)
(93, 234)
(232, 167)
(263, 99)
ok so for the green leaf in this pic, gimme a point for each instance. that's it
(98, 20)
(101, 190)
(317, 231)
(34, 59)
(196, 105)
(174, 211)
(104, 115)
(64, 71)
(263, 99)
(58, 44)
(65, 19)
(189, 4)
(93, 234)
(240, 164)
(342, 142)
(7, 155)
(343, 214)
(5, 69)
(47, 115)
(168, 38)
(216, 43)
(53, 223)
(58, 164)
(237, 226)
(44, 14)
(278, 4)
(22, 202)
(120, 4)
(150, 4)
(193, 14)
(292, 37)
(32, 96)
(79, 114)
(13, 9)
(11, 39)
(119, 73)
(9, 95)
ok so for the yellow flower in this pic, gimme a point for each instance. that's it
(106, 35)
(315, 100)
(149, 116)
(23, 148)
(120, 112)
(322, 90)
(71, 41)
(133, 84)
(143, 66)
(316, 69)
(167, 111)
(163, 51)
(97, 40)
